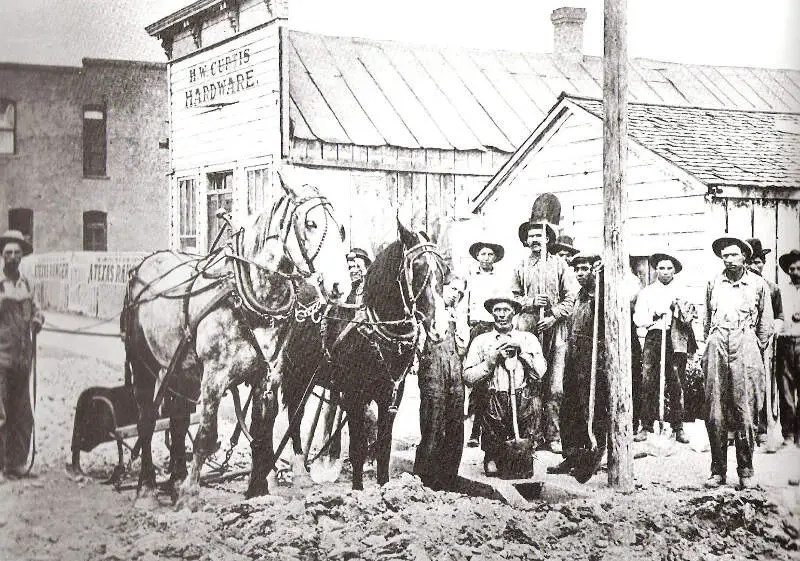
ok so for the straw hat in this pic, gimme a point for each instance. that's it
(16, 236)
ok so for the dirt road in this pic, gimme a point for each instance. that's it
(669, 516)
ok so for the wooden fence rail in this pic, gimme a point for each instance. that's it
(84, 282)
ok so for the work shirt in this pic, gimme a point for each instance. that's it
(17, 311)
(791, 302)
(737, 305)
(552, 277)
(476, 368)
(656, 298)
(482, 285)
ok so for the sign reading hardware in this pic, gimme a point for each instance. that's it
(216, 80)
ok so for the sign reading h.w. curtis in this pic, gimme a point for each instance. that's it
(220, 78)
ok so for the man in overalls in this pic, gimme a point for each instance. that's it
(19, 318)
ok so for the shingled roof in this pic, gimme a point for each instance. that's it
(375, 93)
(718, 146)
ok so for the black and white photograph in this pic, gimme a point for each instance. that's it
(424, 280)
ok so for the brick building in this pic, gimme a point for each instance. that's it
(83, 155)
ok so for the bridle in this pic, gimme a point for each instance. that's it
(405, 275)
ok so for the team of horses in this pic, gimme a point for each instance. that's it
(195, 327)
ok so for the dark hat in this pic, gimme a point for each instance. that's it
(545, 212)
(720, 243)
(563, 243)
(655, 258)
(787, 259)
(16, 236)
(358, 253)
(584, 258)
(499, 252)
(758, 249)
(489, 303)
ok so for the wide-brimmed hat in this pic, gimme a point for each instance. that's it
(655, 258)
(489, 303)
(16, 236)
(787, 259)
(584, 257)
(545, 213)
(358, 253)
(499, 252)
(564, 243)
(758, 249)
(720, 243)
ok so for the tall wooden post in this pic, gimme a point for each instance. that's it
(615, 255)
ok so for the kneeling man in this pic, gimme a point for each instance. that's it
(512, 362)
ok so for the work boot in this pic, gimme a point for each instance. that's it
(680, 436)
(714, 482)
(746, 483)
(565, 466)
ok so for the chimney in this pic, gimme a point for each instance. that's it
(568, 33)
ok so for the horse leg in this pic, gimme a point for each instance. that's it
(358, 441)
(178, 428)
(145, 426)
(383, 445)
(213, 386)
(262, 420)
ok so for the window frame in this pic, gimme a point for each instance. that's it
(254, 206)
(88, 152)
(90, 243)
(187, 213)
(6, 103)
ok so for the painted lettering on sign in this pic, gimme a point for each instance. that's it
(220, 78)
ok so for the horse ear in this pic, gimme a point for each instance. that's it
(284, 182)
(342, 233)
(406, 236)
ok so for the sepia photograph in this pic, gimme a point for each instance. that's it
(261, 297)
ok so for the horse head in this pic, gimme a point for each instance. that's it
(301, 235)
(424, 275)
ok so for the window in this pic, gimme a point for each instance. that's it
(94, 231)
(220, 195)
(187, 206)
(94, 141)
(21, 219)
(258, 181)
(8, 129)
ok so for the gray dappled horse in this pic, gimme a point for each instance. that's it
(365, 355)
(222, 321)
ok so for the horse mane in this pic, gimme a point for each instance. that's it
(380, 282)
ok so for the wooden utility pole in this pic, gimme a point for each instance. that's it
(615, 254)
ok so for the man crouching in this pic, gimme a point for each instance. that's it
(513, 364)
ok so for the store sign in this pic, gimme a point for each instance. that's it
(216, 81)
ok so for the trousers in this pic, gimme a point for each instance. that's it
(674, 374)
(16, 417)
(788, 372)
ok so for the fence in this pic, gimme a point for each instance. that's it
(84, 282)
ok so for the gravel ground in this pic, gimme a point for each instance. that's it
(669, 516)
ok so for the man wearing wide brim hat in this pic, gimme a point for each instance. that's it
(19, 319)
(664, 310)
(564, 247)
(511, 362)
(483, 281)
(788, 350)
(738, 325)
(545, 286)
(756, 265)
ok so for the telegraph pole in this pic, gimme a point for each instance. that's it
(615, 254)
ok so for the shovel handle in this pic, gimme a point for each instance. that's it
(662, 375)
(512, 394)
(593, 369)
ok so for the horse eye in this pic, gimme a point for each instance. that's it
(311, 224)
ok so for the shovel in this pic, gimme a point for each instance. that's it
(770, 403)
(586, 458)
(660, 444)
(518, 460)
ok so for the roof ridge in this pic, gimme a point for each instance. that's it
(566, 95)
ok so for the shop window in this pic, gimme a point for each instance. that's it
(94, 141)
(187, 207)
(258, 181)
(95, 231)
(8, 127)
(220, 195)
(21, 219)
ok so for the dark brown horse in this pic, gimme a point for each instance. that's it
(367, 354)
(216, 322)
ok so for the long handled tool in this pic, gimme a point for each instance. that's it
(662, 370)
(518, 461)
(585, 463)
(33, 389)
(770, 391)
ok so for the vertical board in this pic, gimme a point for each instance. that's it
(765, 229)
(433, 186)
(788, 229)
(740, 217)
(418, 202)
(404, 206)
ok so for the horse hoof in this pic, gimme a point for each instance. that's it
(256, 491)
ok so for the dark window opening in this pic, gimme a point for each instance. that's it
(95, 231)
(94, 141)
(21, 219)
(8, 127)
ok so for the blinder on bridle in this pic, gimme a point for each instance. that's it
(410, 255)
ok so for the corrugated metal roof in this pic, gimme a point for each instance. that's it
(718, 146)
(375, 93)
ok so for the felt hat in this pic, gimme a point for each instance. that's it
(16, 236)
(720, 243)
(655, 258)
(564, 243)
(787, 259)
(758, 249)
(499, 252)
(358, 253)
(489, 303)
(582, 257)
(546, 213)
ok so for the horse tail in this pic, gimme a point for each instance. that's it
(127, 327)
